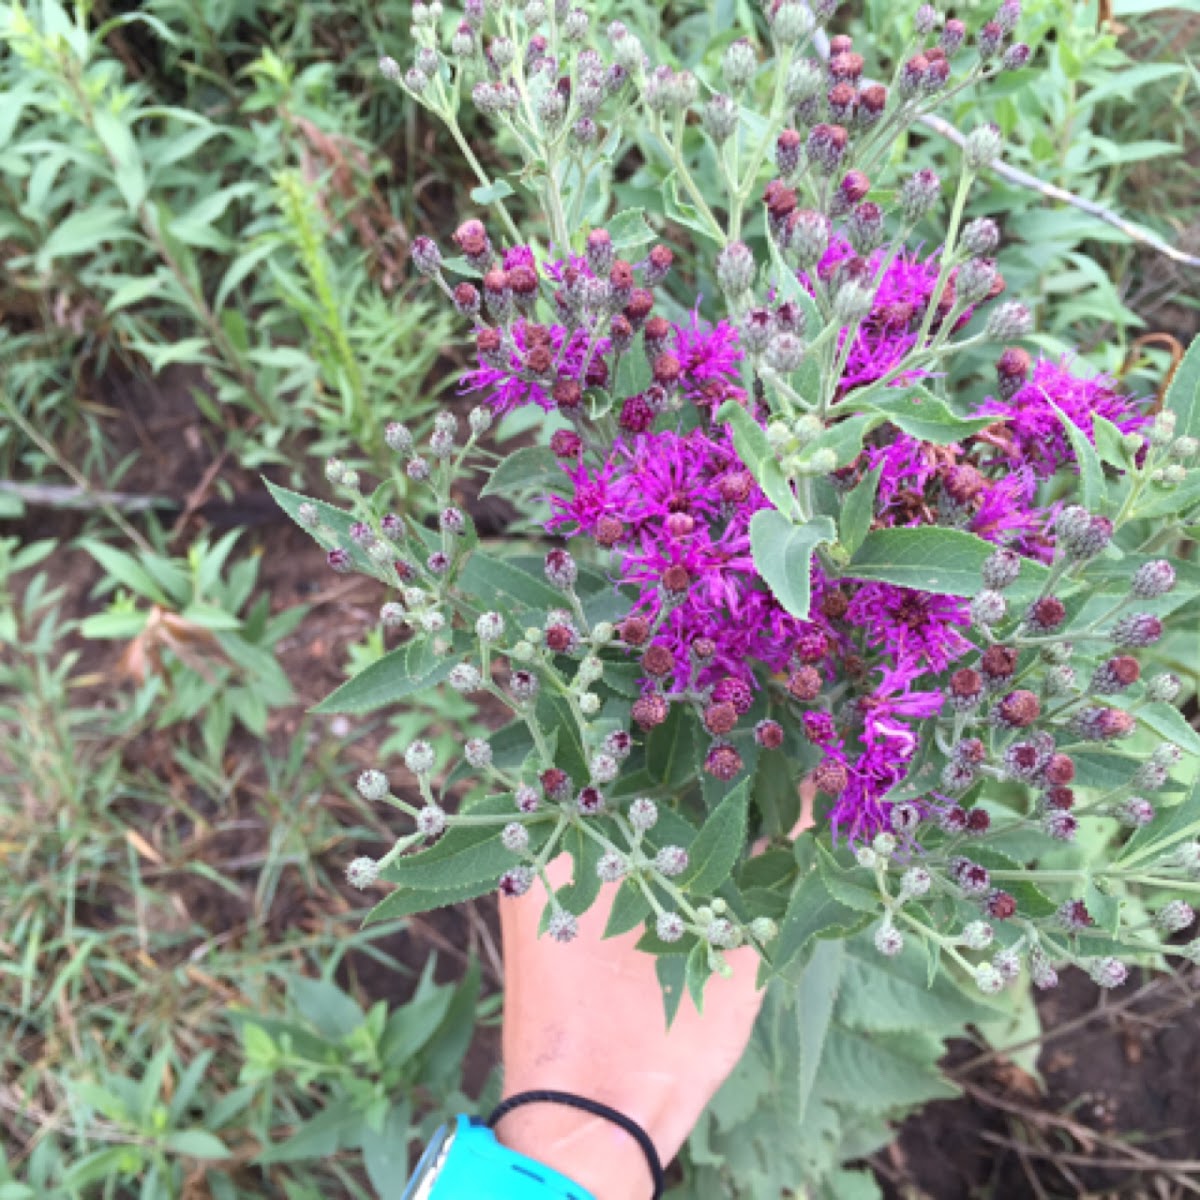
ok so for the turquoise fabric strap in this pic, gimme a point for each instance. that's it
(477, 1167)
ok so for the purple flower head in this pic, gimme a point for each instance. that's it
(1035, 439)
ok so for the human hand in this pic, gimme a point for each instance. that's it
(587, 1017)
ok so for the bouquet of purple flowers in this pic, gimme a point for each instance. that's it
(789, 540)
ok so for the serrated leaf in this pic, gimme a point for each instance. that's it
(492, 193)
(881, 1072)
(507, 585)
(783, 556)
(1169, 827)
(397, 675)
(947, 562)
(529, 467)
(630, 908)
(816, 994)
(894, 995)
(850, 887)
(811, 913)
(1170, 723)
(922, 415)
(1183, 396)
(629, 228)
(673, 749)
(671, 970)
(719, 844)
(858, 511)
(1091, 473)
(697, 973)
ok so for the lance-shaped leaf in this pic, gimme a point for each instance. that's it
(783, 556)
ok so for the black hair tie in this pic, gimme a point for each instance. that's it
(597, 1109)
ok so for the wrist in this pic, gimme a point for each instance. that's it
(592, 1151)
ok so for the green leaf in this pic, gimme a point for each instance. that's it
(880, 1072)
(529, 467)
(196, 1143)
(858, 511)
(629, 228)
(921, 414)
(405, 901)
(893, 995)
(1161, 501)
(719, 844)
(845, 438)
(848, 886)
(671, 970)
(126, 570)
(755, 451)
(697, 973)
(1169, 722)
(1169, 827)
(333, 1013)
(1110, 443)
(126, 159)
(1183, 396)
(783, 555)
(630, 908)
(385, 1153)
(816, 994)
(465, 853)
(83, 232)
(493, 193)
(812, 912)
(507, 585)
(673, 749)
(946, 561)
(397, 675)
(1091, 473)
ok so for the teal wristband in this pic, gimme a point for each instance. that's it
(466, 1162)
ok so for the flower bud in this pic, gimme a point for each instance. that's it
(1042, 970)
(669, 927)
(419, 758)
(671, 861)
(808, 237)
(643, 814)
(914, 883)
(1082, 535)
(919, 194)
(426, 256)
(736, 269)
(982, 146)
(739, 64)
(988, 980)
(826, 147)
(1108, 972)
(720, 118)
(490, 627)
(792, 22)
(1016, 56)
(1009, 321)
(1155, 578)
(1163, 689)
(515, 882)
(431, 820)
(988, 608)
(889, 941)
(974, 280)
(373, 785)
(1001, 569)
(1137, 630)
(362, 872)
(804, 80)
(1175, 916)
